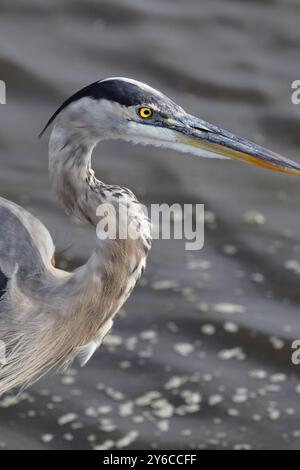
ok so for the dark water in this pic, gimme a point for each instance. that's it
(233, 308)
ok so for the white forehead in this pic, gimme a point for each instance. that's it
(141, 85)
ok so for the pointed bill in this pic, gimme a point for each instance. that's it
(194, 132)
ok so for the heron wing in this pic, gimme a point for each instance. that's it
(26, 248)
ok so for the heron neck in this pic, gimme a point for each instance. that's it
(116, 264)
(70, 170)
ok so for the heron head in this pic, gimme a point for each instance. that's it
(121, 108)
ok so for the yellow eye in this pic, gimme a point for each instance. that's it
(145, 113)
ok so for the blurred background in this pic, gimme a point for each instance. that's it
(201, 355)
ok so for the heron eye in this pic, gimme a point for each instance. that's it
(145, 113)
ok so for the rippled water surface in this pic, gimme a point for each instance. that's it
(201, 356)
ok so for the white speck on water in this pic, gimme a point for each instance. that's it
(229, 354)
(146, 400)
(229, 309)
(145, 353)
(277, 378)
(256, 417)
(188, 294)
(125, 364)
(273, 388)
(187, 409)
(217, 421)
(106, 425)
(131, 343)
(149, 335)
(127, 440)
(8, 402)
(163, 425)
(175, 382)
(126, 409)
(186, 432)
(207, 377)
(114, 394)
(57, 399)
(184, 349)
(293, 265)
(242, 447)
(75, 426)
(199, 264)
(202, 307)
(46, 438)
(163, 285)
(210, 217)
(230, 250)
(257, 277)
(277, 343)
(104, 409)
(91, 412)
(241, 396)
(214, 400)
(258, 374)
(230, 327)
(68, 380)
(273, 414)
(138, 419)
(107, 445)
(191, 397)
(233, 412)
(173, 327)
(162, 408)
(254, 218)
(208, 330)
(67, 418)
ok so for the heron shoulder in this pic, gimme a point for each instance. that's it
(24, 240)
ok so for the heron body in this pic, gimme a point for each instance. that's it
(49, 316)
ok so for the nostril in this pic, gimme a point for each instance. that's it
(202, 128)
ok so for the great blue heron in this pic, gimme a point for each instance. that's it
(49, 316)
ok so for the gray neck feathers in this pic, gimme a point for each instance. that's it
(70, 152)
(115, 265)
(70, 169)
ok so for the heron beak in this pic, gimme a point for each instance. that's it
(199, 135)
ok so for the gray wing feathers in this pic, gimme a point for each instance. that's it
(26, 249)
(24, 241)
